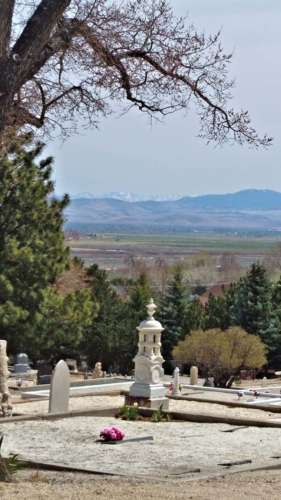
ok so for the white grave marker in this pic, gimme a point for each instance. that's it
(176, 382)
(59, 390)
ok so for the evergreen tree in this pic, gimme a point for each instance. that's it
(109, 338)
(177, 314)
(276, 295)
(32, 250)
(275, 337)
(216, 312)
(60, 325)
(139, 296)
(251, 306)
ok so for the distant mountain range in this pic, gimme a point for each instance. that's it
(124, 196)
(251, 209)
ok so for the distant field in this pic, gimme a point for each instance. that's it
(219, 243)
(113, 250)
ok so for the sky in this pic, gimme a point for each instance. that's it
(129, 154)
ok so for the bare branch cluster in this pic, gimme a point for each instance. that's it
(60, 59)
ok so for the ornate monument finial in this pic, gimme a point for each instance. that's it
(151, 308)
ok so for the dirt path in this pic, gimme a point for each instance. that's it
(34, 485)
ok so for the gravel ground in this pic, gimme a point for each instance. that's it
(45, 485)
(214, 409)
(177, 449)
(87, 403)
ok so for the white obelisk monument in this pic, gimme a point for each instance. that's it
(148, 390)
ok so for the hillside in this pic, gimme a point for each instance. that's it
(254, 210)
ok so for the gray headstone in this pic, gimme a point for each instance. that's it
(59, 390)
(44, 368)
(84, 366)
(22, 359)
(21, 368)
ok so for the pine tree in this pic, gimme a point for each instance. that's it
(251, 306)
(61, 324)
(176, 314)
(275, 337)
(139, 296)
(135, 312)
(32, 250)
(110, 338)
(276, 295)
(214, 312)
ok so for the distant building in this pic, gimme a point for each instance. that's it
(72, 235)
(215, 290)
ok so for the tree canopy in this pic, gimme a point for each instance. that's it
(179, 313)
(32, 250)
(221, 354)
(60, 59)
(112, 338)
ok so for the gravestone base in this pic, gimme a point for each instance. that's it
(44, 379)
(30, 376)
(153, 403)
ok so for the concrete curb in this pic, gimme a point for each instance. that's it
(231, 404)
(102, 412)
(214, 419)
(183, 416)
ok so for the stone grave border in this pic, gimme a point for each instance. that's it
(182, 416)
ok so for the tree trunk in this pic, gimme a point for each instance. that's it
(6, 17)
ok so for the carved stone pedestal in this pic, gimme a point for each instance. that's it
(147, 390)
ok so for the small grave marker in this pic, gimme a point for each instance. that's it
(44, 372)
(176, 384)
(59, 390)
(194, 375)
(22, 364)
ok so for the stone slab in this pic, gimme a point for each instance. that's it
(71, 442)
(77, 389)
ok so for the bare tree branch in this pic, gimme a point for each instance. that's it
(80, 57)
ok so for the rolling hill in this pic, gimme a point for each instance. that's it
(253, 210)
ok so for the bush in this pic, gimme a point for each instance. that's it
(221, 354)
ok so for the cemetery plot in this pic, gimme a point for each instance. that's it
(80, 388)
(177, 448)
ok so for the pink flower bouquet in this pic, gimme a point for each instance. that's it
(112, 434)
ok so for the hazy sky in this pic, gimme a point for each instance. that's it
(128, 154)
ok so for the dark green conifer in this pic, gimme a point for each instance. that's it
(179, 313)
(32, 250)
